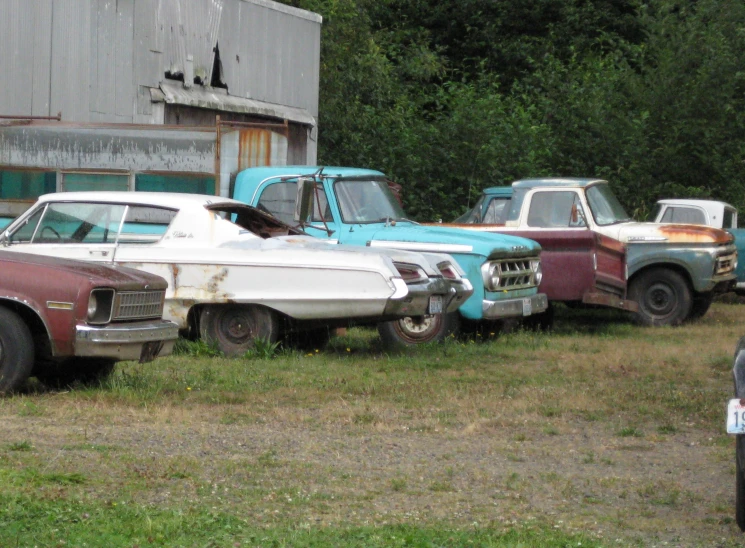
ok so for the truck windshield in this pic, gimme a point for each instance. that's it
(367, 201)
(606, 209)
(474, 215)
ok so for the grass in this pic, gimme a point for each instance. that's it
(187, 450)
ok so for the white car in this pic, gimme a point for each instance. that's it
(234, 273)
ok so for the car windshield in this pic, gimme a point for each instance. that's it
(605, 207)
(367, 201)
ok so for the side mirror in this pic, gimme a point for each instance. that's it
(304, 199)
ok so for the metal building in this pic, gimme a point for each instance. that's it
(153, 94)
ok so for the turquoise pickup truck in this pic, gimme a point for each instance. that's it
(355, 206)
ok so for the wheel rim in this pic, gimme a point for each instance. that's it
(236, 327)
(420, 328)
(660, 299)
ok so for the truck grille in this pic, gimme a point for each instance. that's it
(726, 263)
(516, 274)
(133, 305)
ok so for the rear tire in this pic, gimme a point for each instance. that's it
(663, 296)
(413, 330)
(235, 327)
(16, 351)
(84, 371)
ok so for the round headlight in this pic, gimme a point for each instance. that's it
(538, 269)
(92, 306)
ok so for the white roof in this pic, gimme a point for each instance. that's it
(173, 200)
(691, 202)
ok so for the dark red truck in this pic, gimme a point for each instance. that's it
(579, 265)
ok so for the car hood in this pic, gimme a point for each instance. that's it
(118, 277)
(455, 240)
(666, 233)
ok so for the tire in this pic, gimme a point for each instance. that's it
(411, 331)
(740, 481)
(663, 296)
(700, 306)
(235, 327)
(83, 371)
(16, 351)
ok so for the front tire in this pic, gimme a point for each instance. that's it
(413, 330)
(16, 351)
(740, 481)
(663, 296)
(235, 327)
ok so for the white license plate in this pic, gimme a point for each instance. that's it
(736, 416)
(527, 307)
(435, 304)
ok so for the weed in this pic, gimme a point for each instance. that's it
(630, 431)
(196, 349)
(398, 484)
(20, 446)
(263, 349)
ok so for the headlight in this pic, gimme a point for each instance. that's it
(537, 271)
(92, 306)
(491, 273)
(100, 305)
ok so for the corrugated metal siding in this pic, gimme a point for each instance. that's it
(71, 50)
(16, 26)
(42, 52)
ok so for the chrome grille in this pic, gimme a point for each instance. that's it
(726, 263)
(132, 305)
(515, 274)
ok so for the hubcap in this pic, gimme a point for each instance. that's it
(661, 299)
(236, 328)
(419, 328)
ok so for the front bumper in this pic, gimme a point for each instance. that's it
(142, 341)
(416, 301)
(510, 308)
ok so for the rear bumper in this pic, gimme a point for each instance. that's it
(417, 299)
(142, 341)
(511, 308)
(608, 299)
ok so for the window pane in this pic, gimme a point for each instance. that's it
(77, 223)
(26, 185)
(555, 210)
(686, 215)
(174, 183)
(145, 224)
(72, 182)
(279, 200)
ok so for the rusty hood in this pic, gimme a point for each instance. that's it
(667, 233)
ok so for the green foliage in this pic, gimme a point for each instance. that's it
(448, 98)
(263, 349)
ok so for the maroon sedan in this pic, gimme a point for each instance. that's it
(65, 321)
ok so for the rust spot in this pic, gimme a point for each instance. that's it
(175, 271)
(213, 285)
(254, 148)
(695, 233)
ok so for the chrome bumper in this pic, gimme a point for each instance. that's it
(417, 299)
(525, 306)
(142, 341)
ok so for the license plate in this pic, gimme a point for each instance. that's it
(435, 304)
(527, 307)
(736, 416)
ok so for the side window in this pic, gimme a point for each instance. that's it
(144, 225)
(94, 181)
(730, 218)
(321, 204)
(25, 233)
(279, 200)
(495, 211)
(685, 215)
(75, 223)
(560, 209)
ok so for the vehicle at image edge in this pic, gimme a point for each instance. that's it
(710, 213)
(64, 321)
(355, 206)
(674, 271)
(735, 424)
(580, 265)
(233, 281)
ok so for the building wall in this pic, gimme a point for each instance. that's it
(96, 60)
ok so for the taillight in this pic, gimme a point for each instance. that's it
(448, 271)
(411, 273)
